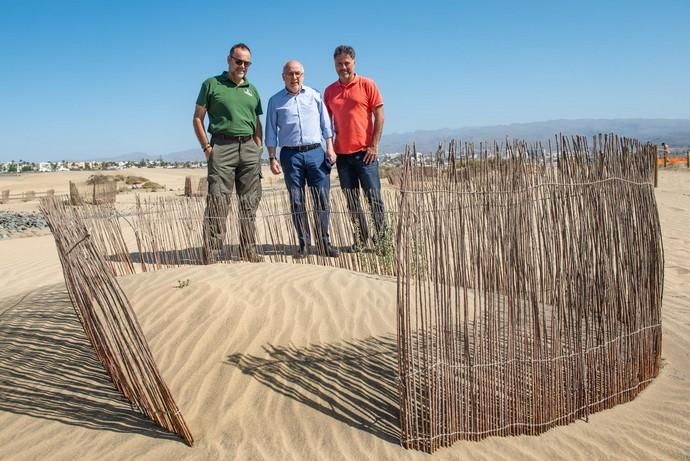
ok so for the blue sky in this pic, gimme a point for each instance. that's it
(99, 78)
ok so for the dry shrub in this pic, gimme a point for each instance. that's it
(152, 186)
(129, 180)
(100, 179)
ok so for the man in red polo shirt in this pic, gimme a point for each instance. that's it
(356, 109)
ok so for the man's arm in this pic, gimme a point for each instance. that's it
(200, 131)
(326, 131)
(330, 152)
(272, 136)
(329, 112)
(372, 150)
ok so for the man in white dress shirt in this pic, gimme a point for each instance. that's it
(297, 121)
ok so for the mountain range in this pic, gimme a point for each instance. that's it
(675, 132)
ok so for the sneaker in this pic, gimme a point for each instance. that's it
(251, 256)
(301, 253)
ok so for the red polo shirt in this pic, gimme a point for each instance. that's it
(350, 107)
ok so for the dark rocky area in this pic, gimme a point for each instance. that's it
(13, 223)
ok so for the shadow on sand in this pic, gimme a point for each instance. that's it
(352, 381)
(48, 369)
(194, 255)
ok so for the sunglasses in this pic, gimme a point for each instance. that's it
(240, 62)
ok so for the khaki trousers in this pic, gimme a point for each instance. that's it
(233, 167)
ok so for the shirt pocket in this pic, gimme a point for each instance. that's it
(286, 117)
(309, 108)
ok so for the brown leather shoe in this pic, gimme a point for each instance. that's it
(330, 251)
(210, 256)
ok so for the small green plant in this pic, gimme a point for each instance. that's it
(182, 283)
(384, 248)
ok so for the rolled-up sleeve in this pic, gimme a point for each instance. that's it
(326, 130)
(271, 137)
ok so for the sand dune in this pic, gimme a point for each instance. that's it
(278, 361)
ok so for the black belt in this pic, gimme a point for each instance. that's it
(228, 138)
(300, 148)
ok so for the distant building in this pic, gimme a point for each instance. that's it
(44, 167)
(76, 165)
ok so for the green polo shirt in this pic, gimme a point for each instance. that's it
(232, 109)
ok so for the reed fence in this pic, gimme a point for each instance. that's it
(201, 187)
(108, 319)
(95, 194)
(26, 196)
(529, 280)
(529, 287)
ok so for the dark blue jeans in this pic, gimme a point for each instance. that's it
(355, 174)
(308, 168)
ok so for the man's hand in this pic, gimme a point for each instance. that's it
(208, 152)
(330, 156)
(372, 153)
(275, 167)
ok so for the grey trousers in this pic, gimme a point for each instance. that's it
(233, 167)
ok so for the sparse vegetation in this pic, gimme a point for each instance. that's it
(152, 186)
(384, 247)
(130, 180)
(100, 179)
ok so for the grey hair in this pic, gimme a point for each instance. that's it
(285, 66)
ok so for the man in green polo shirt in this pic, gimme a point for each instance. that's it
(233, 153)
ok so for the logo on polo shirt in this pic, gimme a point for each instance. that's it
(248, 92)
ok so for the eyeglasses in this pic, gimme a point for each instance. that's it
(239, 61)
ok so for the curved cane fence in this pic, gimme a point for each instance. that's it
(108, 319)
(529, 289)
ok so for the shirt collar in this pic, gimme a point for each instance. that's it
(225, 79)
(345, 85)
(301, 91)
